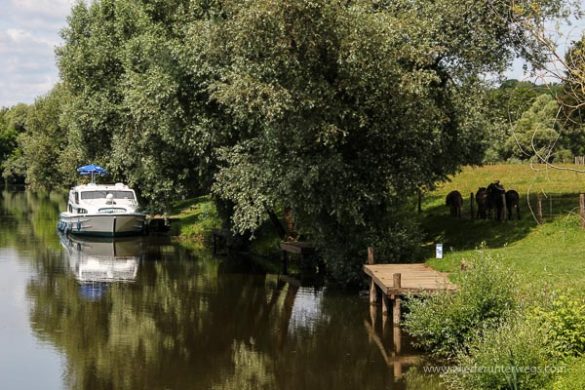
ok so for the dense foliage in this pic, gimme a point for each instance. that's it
(12, 123)
(511, 356)
(444, 323)
(536, 132)
(506, 341)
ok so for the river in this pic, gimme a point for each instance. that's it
(144, 313)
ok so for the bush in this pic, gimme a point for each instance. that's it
(563, 320)
(443, 322)
(564, 156)
(511, 356)
(573, 378)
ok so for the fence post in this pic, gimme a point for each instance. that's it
(582, 209)
(471, 205)
(539, 208)
(505, 208)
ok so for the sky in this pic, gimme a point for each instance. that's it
(29, 33)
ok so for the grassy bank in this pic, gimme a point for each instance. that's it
(551, 253)
(521, 303)
(194, 220)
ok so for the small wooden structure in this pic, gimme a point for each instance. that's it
(220, 239)
(159, 223)
(395, 280)
(301, 248)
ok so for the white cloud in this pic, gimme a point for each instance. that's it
(46, 8)
(29, 33)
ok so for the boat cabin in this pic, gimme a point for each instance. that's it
(110, 199)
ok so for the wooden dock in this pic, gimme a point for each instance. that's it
(391, 282)
(414, 278)
(301, 248)
(396, 280)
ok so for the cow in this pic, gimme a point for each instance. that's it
(481, 199)
(496, 194)
(513, 202)
(454, 201)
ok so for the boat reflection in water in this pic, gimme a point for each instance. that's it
(98, 262)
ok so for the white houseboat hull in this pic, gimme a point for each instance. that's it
(106, 225)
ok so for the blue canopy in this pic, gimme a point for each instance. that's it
(91, 170)
(92, 291)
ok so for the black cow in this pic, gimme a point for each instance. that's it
(513, 202)
(481, 199)
(455, 201)
(496, 194)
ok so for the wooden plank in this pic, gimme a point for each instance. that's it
(297, 247)
(414, 278)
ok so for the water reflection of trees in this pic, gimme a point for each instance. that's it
(185, 325)
(189, 322)
(28, 220)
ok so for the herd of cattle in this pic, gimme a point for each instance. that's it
(492, 202)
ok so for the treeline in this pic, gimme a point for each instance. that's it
(529, 122)
(338, 110)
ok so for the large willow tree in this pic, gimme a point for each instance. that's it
(339, 110)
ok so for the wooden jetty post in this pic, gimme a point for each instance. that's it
(582, 209)
(397, 285)
(385, 305)
(373, 292)
(397, 349)
(471, 205)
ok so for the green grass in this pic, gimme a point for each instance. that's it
(550, 255)
(194, 220)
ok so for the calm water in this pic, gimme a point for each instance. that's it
(145, 314)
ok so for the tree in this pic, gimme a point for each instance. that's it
(572, 99)
(537, 132)
(338, 110)
(7, 136)
(505, 105)
(138, 105)
(12, 124)
(350, 109)
(42, 147)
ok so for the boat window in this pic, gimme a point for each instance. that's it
(102, 194)
(76, 197)
(112, 210)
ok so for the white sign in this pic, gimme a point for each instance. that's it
(439, 251)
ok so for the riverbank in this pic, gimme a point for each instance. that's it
(195, 220)
(550, 253)
(547, 253)
(525, 289)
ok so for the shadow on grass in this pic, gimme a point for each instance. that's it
(466, 233)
